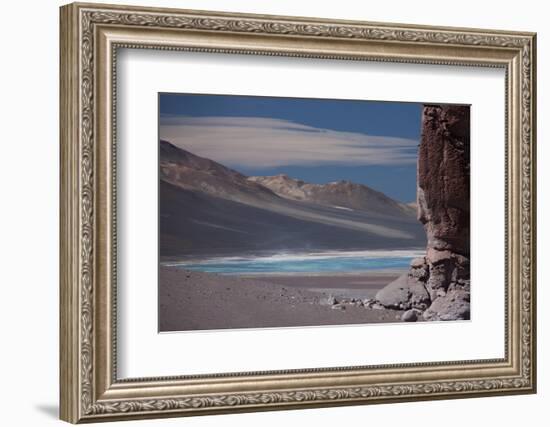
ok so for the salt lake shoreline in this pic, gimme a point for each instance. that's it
(192, 300)
(411, 252)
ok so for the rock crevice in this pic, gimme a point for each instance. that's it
(439, 283)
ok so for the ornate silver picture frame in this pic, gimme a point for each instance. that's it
(91, 37)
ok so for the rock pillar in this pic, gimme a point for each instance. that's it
(439, 283)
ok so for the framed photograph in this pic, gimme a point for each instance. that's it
(265, 212)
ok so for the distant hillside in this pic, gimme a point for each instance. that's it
(208, 208)
(192, 172)
(342, 194)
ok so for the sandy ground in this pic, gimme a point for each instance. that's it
(191, 300)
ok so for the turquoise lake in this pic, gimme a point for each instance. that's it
(335, 262)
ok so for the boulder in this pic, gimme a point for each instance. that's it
(454, 305)
(435, 256)
(418, 262)
(439, 278)
(404, 293)
(419, 269)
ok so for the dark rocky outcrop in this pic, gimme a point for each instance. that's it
(443, 206)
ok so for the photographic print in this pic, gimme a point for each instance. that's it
(281, 212)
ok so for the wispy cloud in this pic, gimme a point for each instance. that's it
(264, 142)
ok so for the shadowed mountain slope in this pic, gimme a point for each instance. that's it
(208, 208)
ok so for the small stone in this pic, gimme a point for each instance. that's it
(330, 300)
(338, 307)
(409, 316)
(377, 306)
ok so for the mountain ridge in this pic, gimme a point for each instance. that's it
(187, 170)
(342, 194)
(190, 171)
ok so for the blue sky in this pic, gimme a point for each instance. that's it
(317, 140)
